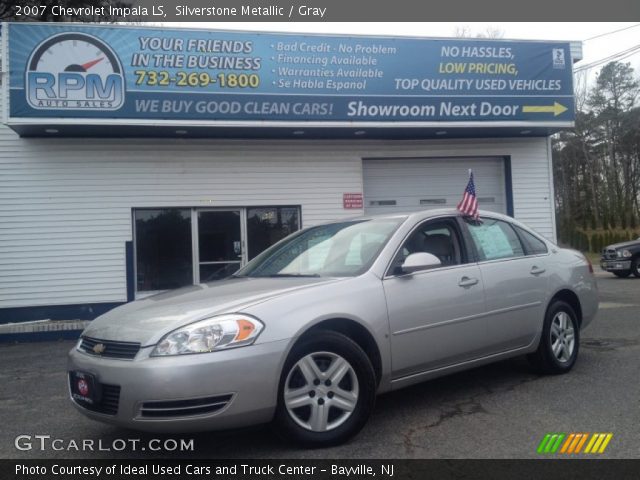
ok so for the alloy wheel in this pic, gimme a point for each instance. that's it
(562, 337)
(321, 391)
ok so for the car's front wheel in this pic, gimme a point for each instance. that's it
(635, 267)
(327, 391)
(560, 341)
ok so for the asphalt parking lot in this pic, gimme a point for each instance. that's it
(499, 411)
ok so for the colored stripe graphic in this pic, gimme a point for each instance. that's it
(573, 443)
(568, 442)
(598, 442)
(550, 443)
(581, 442)
(556, 445)
(543, 443)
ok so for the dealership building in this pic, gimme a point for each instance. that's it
(135, 160)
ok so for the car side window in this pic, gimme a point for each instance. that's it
(495, 239)
(438, 237)
(532, 244)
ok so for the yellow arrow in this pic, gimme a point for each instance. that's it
(556, 109)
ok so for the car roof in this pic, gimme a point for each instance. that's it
(431, 213)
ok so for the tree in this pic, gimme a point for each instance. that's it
(597, 164)
(464, 31)
(612, 98)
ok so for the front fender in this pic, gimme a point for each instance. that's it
(359, 299)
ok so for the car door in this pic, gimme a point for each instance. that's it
(515, 283)
(436, 315)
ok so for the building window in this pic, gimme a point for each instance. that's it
(175, 247)
(268, 225)
(219, 244)
(163, 248)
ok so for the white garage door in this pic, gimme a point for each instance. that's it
(405, 185)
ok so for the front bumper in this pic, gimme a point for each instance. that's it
(615, 265)
(247, 376)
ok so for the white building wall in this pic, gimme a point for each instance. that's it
(65, 204)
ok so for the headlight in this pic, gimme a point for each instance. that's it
(623, 253)
(215, 333)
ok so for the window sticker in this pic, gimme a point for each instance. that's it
(491, 241)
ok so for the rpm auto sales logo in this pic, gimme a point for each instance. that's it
(74, 71)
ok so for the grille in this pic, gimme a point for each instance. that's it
(609, 254)
(125, 350)
(109, 400)
(183, 408)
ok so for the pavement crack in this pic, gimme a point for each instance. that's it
(608, 344)
(462, 409)
(470, 406)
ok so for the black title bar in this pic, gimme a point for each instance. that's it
(318, 10)
(319, 470)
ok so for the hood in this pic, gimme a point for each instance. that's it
(632, 243)
(149, 319)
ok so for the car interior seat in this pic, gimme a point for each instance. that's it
(441, 246)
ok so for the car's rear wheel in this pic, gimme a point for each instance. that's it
(327, 391)
(623, 273)
(635, 267)
(560, 340)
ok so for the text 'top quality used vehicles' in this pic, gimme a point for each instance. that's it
(307, 333)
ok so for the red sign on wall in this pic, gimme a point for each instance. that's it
(352, 201)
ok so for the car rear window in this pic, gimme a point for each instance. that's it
(532, 244)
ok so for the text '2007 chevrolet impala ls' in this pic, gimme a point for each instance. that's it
(310, 331)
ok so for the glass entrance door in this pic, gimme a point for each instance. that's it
(219, 244)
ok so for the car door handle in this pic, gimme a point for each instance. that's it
(537, 270)
(467, 282)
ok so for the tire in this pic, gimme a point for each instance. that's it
(544, 360)
(622, 273)
(322, 417)
(635, 267)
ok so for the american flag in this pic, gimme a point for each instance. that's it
(469, 203)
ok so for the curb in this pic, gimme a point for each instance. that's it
(41, 331)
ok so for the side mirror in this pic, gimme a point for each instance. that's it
(420, 261)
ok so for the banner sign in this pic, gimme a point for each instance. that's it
(213, 77)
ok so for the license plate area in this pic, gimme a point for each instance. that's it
(85, 387)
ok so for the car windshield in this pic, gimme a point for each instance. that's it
(343, 249)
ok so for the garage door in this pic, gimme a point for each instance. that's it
(406, 185)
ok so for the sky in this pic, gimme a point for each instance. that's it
(606, 43)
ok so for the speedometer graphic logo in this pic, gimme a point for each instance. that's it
(74, 71)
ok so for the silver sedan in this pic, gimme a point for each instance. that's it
(310, 331)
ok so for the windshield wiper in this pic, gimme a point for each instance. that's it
(307, 275)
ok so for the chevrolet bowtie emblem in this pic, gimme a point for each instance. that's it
(99, 348)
